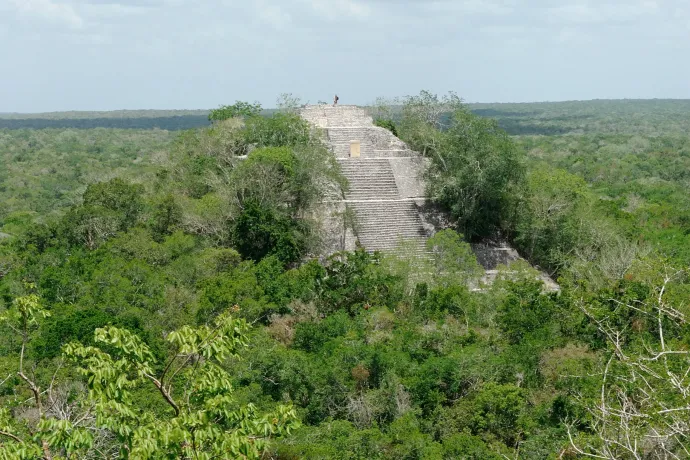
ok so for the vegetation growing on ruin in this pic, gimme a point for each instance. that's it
(158, 298)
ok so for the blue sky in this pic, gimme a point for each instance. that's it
(167, 54)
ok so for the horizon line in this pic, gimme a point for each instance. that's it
(358, 105)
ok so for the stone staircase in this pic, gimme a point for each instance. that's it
(384, 189)
(383, 225)
(369, 179)
(343, 124)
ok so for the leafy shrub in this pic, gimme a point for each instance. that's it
(259, 232)
(312, 336)
(387, 124)
(239, 109)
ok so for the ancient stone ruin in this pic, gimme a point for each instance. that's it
(385, 204)
(386, 192)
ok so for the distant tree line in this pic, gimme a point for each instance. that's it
(175, 315)
(175, 123)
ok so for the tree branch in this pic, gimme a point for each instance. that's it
(11, 436)
(165, 393)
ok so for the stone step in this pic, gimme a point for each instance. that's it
(385, 205)
(354, 166)
(398, 221)
(363, 196)
(383, 212)
(357, 187)
(366, 172)
(370, 182)
(392, 153)
(371, 186)
(390, 239)
(372, 247)
(384, 239)
(390, 221)
(406, 224)
(384, 215)
(381, 224)
(373, 189)
(373, 179)
(376, 211)
(402, 229)
(368, 162)
(380, 177)
(362, 184)
(372, 174)
(355, 196)
(373, 168)
(391, 234)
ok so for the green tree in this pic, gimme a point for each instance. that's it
(202, 419)
(239, 109)
(476, 171)
(282, 129)
(260, 231)
(454, 260)
(639, 407)
(117, 196)
(166, 216)
(386, 123)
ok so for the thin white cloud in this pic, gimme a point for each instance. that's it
(574, 35)
(110, 10)
(340, 9)
(597, 12)
(197, 53)
(272, 14)
(471, 7)
(51, 10)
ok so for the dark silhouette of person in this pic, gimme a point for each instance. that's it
(335, 100)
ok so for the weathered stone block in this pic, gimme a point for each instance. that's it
(354, 149)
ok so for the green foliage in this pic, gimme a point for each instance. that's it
(637, 180)
(239, 109)
(116, 196)
(46, 171)
(454, 261)
(476, 172)
(202, 419)
(556, 217)
(259, 232)
(263, 204)
(379, 355)
(387, 124)
(228, 290)
(464, 445)
(279, 130)
(166, 216)
(561, 120)
(311, 337)
(282, 157)
(351, 281)
(496, 409)
(526, 313)
(477, 175)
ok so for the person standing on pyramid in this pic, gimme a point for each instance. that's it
(335, 100)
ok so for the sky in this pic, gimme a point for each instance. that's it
(186, 54)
